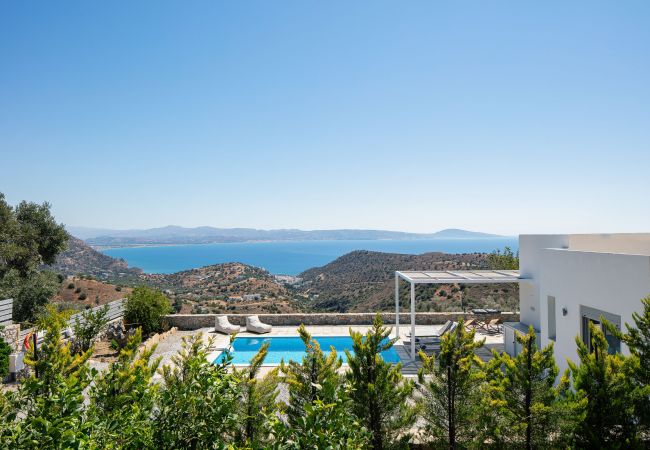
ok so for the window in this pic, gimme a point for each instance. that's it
(551, 317)
(591, 315)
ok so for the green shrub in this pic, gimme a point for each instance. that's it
(71, 286)
(76, 291)
(82, 296)
(87, 327)
(118, 288)
(5, 350)
(145, 307)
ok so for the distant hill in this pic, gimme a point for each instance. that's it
(364, 281)
(97, 278)
(80, 258)
(200, 235)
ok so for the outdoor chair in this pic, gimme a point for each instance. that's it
(254, 325)
(429, 342)
(494, 326)
(471, 324)
(223, 325)
(436, 335)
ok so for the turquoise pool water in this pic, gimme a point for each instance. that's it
(293, 349)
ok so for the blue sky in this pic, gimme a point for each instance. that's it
(505, 117)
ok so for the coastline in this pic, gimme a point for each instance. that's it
(267, 241)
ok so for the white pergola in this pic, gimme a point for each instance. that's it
(447, 277)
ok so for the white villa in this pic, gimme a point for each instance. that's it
(570, 280)
(565, 282)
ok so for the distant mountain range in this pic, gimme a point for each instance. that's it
(204, 235)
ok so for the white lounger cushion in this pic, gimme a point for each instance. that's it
(254, 325)
(223, 325)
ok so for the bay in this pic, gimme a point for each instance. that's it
(289, 257)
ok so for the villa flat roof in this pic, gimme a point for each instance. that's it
(461, 276)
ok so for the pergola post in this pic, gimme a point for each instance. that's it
(396, 305)
(412, 321)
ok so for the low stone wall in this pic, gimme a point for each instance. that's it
(195, 321)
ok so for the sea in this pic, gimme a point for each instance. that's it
(290, 257)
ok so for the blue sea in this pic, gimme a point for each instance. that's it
(289, 257)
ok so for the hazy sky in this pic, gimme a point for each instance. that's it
(504, 117)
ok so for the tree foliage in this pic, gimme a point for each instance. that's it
(258, 400)
(380, 395)
(31, 294)
(509, 402)
(506, 260)
(198, 401)
(51, 400)
(450, 390)
(87, 326)
(145, 308)
(314, 378)
(322, 426)
(29, 237)
(531, 410)
(122, 400)
(605, 391)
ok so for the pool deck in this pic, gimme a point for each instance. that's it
(171, 344)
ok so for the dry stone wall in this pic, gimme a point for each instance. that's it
(196, 321)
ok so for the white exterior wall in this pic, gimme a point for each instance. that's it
(530, 250)
(613, 283)
(628, 243)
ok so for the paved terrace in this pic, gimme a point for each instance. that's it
(171, 344)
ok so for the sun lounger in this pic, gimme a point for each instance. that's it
(422, 342)
(494, 326)
(223, 325)
(471, 323)
(448, 325)
(254, 325)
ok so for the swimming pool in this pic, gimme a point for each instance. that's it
(291, 348)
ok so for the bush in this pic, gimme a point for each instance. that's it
(76, 291)
(118, 288)
(82, 296)
(71, 286)
(145, 307)
(87, 327)
(5, 350)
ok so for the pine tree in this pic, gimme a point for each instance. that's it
(51, 400)
(258, 399)
(316, 377)
(606, 393)
(122, 399)
(530, 408)
(450, 390)
(198, 401)
(637, 338)
(380, 395)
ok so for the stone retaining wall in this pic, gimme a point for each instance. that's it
(195, 321)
